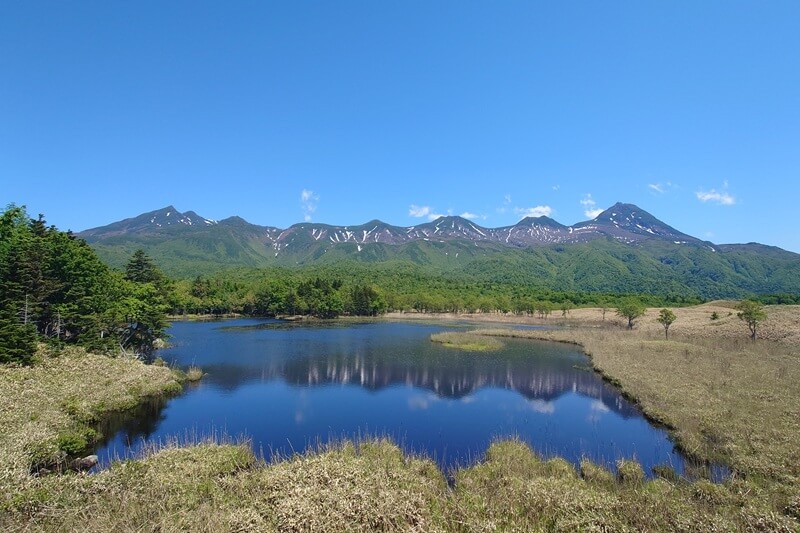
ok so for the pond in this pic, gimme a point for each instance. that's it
(288, 386)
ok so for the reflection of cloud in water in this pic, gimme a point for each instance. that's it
(543, 407)
(421, 402)
(299, 417)
(596, 411)
(468, 399)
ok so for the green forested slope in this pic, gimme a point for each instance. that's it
(603, 265)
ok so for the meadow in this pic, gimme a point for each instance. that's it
(724, 397)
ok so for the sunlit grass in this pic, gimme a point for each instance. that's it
(724, 397)
(467, 342)
(194, 373)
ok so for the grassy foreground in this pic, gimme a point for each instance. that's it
(49, 408)
(725, 399)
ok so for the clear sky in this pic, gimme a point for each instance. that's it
(342, 112)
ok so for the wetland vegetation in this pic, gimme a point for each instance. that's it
(725, 398)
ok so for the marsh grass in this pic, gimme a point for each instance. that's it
(724, 398)
(194, 374)
(50, 408)
(372, 486)
(467, 342)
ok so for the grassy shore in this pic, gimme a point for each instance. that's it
(467, 342)
(724, 396)
(49, 409)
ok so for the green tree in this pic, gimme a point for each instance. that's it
(17, 340)
(752, 313)
(142, 269)
(630, 309)
(544, 308)
(666, 317)
(366, 301)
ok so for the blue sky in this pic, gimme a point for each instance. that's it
(341, 112)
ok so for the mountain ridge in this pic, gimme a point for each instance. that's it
(623, 249)
(625, 222)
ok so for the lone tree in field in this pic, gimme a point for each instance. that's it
(630, 308)
(666, 318)
(752, 313)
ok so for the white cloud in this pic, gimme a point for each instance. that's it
(589, 205)
(538, 211)
(308, 203)
(660, 188)
(418, 211)
(556, 187)
(712, 195)
(470, 216)
(721, 197)
(507, 199)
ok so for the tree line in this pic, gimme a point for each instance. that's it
(55, 289)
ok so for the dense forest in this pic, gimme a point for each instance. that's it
(370, 289)
(56, 289)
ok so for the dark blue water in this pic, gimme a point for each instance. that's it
(288, 386)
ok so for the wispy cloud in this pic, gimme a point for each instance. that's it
(712, 195)
(538, 211)
(720, 197)
(506, 202)
(590, 208)
(472, 216)
(556, 187)
(418, 211)
(660, 188)
(421, 211)
(308, 203)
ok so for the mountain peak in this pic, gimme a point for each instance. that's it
(623, 211)
(629, 222)
(539, 221)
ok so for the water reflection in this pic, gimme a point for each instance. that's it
(287, 385)
(135, 424)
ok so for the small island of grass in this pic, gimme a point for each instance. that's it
(467, 341)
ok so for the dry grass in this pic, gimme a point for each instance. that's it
(725, 397)
(374, 487)
(194, 373)
(729, 400)
(49, 407)
(467, 342)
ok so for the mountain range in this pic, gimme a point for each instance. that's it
(623, 248)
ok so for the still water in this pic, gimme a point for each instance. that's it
(287, 386)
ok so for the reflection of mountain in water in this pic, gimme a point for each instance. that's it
(448, 377)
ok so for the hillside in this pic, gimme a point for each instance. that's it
(624, 249)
